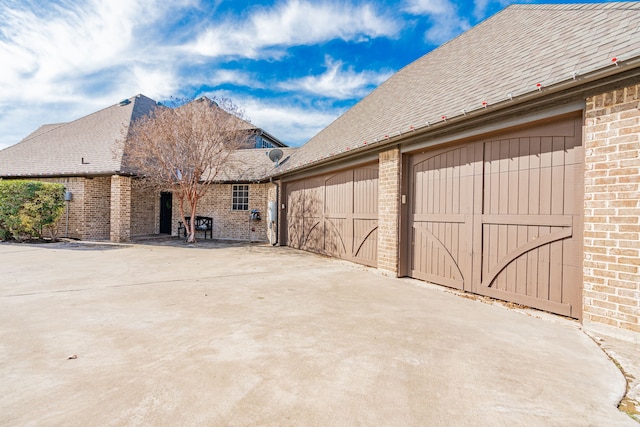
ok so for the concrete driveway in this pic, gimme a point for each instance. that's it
(255, 335)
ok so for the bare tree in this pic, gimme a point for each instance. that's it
(185, 148)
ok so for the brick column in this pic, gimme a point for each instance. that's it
(612, 213)
(120, 208)
(388, 210)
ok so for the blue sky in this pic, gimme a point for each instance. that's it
(293, 65)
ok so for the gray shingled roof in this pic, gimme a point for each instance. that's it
(251, 165)
(510, 53)
(86, 146)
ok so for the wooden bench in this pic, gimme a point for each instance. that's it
(203, 223)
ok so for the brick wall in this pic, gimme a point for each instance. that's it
(97, 201)
(120, 208)
(75, 207)
(228, 224)
(388, 210)
(145, 210)
(89, 214)
(612, 211)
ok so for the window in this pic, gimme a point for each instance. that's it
(240, 198)
(262, 143)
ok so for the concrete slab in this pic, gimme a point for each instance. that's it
(626, 354)
(256, 335)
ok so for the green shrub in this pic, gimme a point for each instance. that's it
(28, 208)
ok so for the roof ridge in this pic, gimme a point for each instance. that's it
(138, 110)
(35, 133)
(629, 5)
(131, 99)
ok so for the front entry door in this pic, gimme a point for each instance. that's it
(166, 202)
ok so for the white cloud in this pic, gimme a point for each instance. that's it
(234, 77)
(481, 6)
(337, 82)
(294, 23)
(429, 7)
(445, 21)
(292, 123)
(153, 82)
(48, 51)
(77, 56)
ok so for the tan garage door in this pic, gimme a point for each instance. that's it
(335, 214)
(502, 217)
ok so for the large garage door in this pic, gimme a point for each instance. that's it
(502, 217)
(335, 214)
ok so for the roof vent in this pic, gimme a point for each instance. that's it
(124, 102)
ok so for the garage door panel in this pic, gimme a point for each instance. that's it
(337, 214)
(335, 229)
(365, 191)
(365, 240)
(438, 254)
(338, 193)
(313, 235)
(571, 293)
(517, 215)
(313, 201)
(295, 217)
(534, 273)
(547, 243)
(564, 309)
(440, 220)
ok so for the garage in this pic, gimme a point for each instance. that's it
(501, 216)
(335, 214)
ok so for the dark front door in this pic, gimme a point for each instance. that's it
(165, 213)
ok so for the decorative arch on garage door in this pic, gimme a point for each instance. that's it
(502, 216)
(335, 214)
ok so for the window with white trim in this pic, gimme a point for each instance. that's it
(240, 197)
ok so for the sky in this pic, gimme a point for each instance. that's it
(293, 66)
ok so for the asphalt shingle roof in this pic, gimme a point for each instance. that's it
(251, 165)
(86, 146)
(510, 53)
(506, 55)
(90, 146)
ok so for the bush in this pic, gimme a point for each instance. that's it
(28, 208)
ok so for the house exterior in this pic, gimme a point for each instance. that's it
(243, 187)
(505, 163)
(110, 203)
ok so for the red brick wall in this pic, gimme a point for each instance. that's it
(612, 210)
